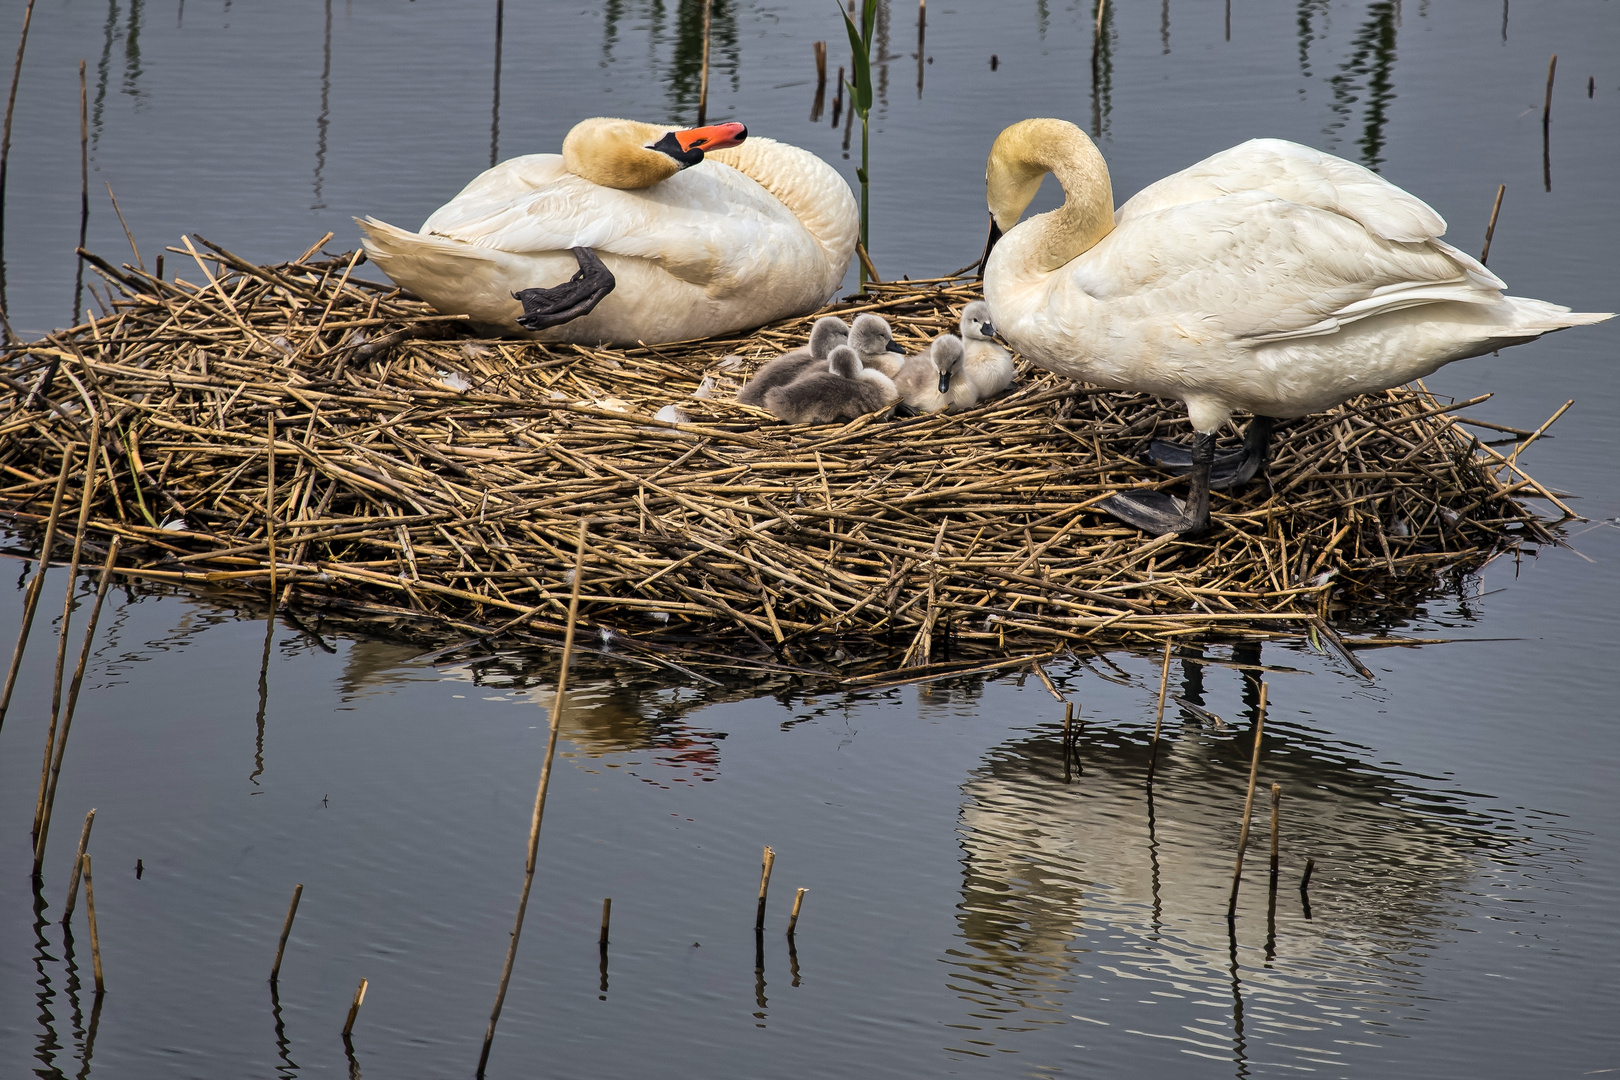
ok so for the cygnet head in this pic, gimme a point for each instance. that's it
(828, 333)
(871, 335)
(844, 362)
(947, 353)
(976, 324)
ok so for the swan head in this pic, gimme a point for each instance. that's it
(871, 335)
(626, 154)
(828, 333)
(844, 363)
(976, 324)
(947, 354)
(1019, 160)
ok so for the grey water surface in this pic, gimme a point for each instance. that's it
(975, 907)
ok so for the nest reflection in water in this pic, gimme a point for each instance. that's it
(423, 475)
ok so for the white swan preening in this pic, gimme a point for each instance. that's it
(674, 235)
(844, 390)
(1270, 278)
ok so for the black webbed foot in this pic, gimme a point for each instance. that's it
(1153, 512)
(573, 298)
(1229, 469)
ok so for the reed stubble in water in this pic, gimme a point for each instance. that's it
(1158, 716)
(793, 919)
(90, 915)
(91, 475)
(286, 929)
(35, 584)
(5, 159)
(354, 1008)
(539, 797)
(1248, 804)
(1490, 230)
(84, 194)
(607, 917)
(78, 867)
(767, 861)
(72, 703)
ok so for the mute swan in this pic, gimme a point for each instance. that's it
(674, 234)
(873, 340)
(1270, 278)
(828, 333)
(925, 381)
(844, 391)
(987, 366)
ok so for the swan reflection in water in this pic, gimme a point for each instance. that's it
(607, 712)
(1093, 913)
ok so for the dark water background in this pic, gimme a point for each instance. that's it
(970, 912)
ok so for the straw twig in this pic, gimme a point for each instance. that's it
(1248, 804)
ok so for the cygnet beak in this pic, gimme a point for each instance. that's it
(987, 328)
(895, 346)
(945, 382)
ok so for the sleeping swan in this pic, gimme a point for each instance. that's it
(1270, 278)
(634, 233)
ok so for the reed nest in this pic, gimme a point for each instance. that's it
(298, 428)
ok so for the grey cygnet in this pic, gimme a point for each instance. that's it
(828, 333)
(842, 392)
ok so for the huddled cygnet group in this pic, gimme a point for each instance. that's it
(846, 371)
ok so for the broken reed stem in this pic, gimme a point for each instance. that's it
(1490, 230)
(84, 194)
(607, 916)
(90, 914)
(73, 702)
(1158, 717)
(703, 76)
(766, 862)
(31, 600)
(1248, 804)
(1546, 108)
(91, 473)
(78, 867)
(5, 137)
(1305, 878)
(1068, 724)
(539, 796)
(354, 1008)
(286, 929)
(793, 919)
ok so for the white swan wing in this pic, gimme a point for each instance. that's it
(709, 225)
(1299, 174)
(1255, 268)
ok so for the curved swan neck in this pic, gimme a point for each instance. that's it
(614, 153)
(1021, 156)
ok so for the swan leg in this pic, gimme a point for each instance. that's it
(1159, 513)
(573, 298)
(1231, 469)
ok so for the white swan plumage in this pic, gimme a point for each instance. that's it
(752, 232)
(1270, 278)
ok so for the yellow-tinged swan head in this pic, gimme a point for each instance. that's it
(1021, 157)
(627, 154)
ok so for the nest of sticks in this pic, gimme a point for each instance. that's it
(295, 428)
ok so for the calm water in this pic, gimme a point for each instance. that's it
(972, 911)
